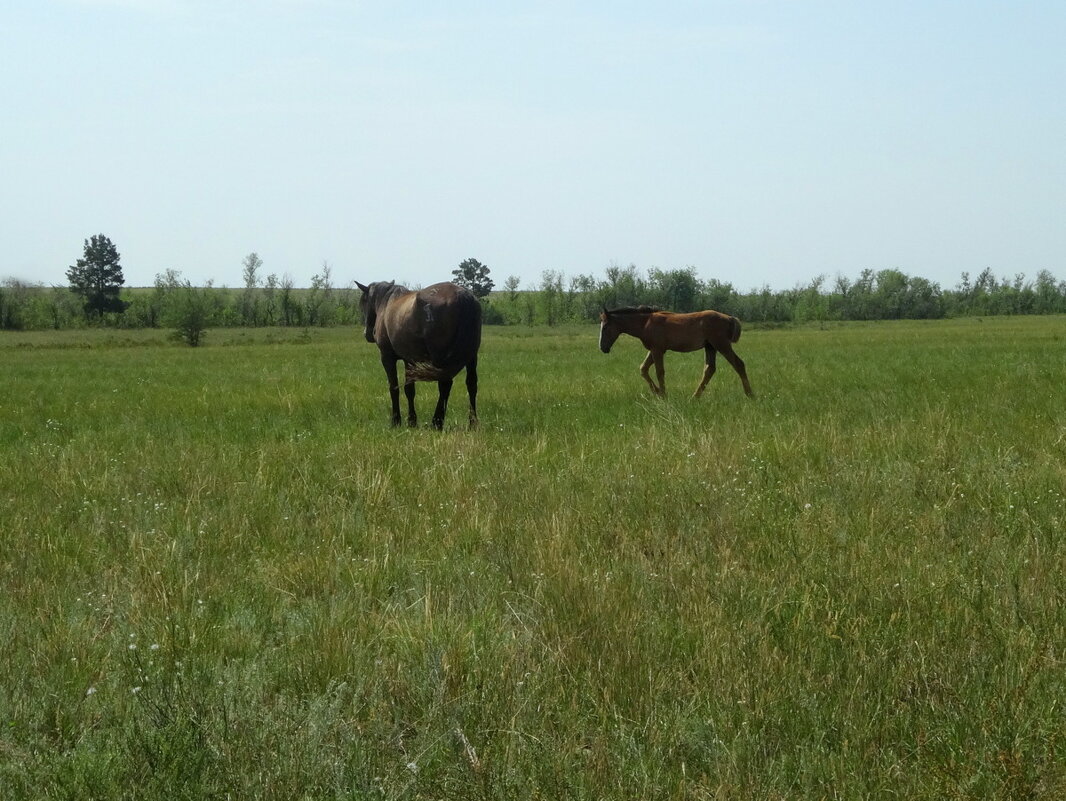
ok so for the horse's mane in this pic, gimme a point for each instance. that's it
(379, 297)
(642, 309)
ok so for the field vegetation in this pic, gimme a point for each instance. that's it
(225, 576)
(556, 299)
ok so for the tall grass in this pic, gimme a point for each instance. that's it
(225, 576)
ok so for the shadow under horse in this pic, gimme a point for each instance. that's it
(660, 331)
(435, 331)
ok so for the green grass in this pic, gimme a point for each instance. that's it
(225, 576)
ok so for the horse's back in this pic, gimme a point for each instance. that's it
(689, 331)
(718, 325)
(440, 324)
(443, 294)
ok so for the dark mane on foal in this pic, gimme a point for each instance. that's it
(642, 309)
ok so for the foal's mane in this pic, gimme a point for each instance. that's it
(642, 309)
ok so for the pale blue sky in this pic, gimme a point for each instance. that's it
(759, 141)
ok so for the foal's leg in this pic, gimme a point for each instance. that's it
(444, 387)
(409, 391)
(644, 367)
(738, 365)
(708, 370)
(660, 372)
(471, 390)
(389, 363)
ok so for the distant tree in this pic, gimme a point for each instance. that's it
(187, 309)
(319, 303)
(550, 290)
(97, 277)
(270, 300)
(586, 298)
(677, 290)
(13, 304)
(718, 295)
(291, 313)
(811, 302)
(924, 300)
(890, 296)
(511, 285)
(624, 287)
(250, 271)
(474, 276)
(1048, 295)
(62, 307)
(250, 298)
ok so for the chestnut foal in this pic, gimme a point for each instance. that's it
(661, 331)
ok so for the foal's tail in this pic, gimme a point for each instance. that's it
(734, 332)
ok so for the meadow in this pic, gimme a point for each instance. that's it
(225, 576)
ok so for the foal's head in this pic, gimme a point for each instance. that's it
(609, 330)
(368, 304)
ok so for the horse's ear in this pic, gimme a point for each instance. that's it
(605, 309)
(361, 286)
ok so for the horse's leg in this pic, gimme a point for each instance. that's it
(409, 391)
(644, 367)
(471, 390)
(660, 372)
(738, 364)
(444, 387)
(708, 370)
(389, 363)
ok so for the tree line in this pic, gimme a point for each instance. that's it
(873, 295)
(96, 296)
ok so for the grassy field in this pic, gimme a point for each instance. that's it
(225, 576)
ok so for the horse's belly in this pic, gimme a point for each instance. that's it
(410, 349)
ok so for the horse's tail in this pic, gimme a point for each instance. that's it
(423, 371)
(734, 332)
(460, 351)
(464, 346)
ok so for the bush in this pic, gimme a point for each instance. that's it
(186, 309)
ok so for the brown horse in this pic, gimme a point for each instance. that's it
(435, 331)
(661, 331)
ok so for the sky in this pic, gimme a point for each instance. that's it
(761, 142)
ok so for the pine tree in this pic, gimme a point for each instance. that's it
(97, 277)
(474, 276)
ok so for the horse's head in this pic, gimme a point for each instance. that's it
(368, 304)
(366, 308)
(609, 330)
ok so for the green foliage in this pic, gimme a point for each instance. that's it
(33, 306)
(474, 276)
(252, 587)
(251, 301)
(558, 299)
(320, 305)
(677, 290)
(97, 277)
(187, 309)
